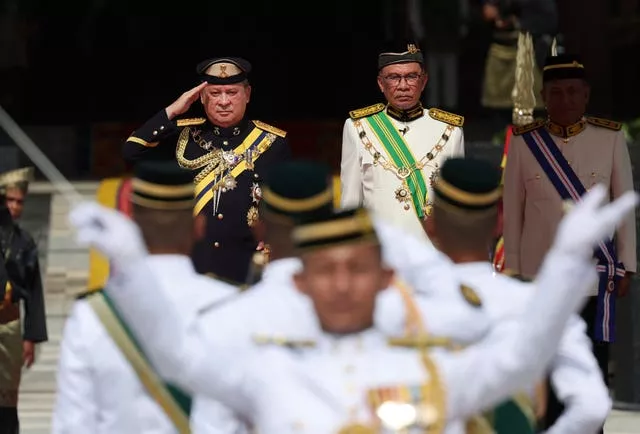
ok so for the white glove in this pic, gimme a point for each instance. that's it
(587, 223)
(108, 231)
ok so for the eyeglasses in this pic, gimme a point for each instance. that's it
(395, 79)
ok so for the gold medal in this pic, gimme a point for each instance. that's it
(357, 428)
(252, 216)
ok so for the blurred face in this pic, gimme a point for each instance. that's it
(566, 100)
(226, 105)
(343, 283)
(402, 84)
(15, 202)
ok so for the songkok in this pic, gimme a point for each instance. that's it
(162, 185)
(392, 57)
(353, 226)
(468, 184)
(562, 67)
(224, 70)
(298, 190)
(18, 177)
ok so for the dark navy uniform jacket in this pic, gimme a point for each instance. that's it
(196, 143)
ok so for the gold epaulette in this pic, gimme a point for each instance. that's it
(510, 272)
(605, 123)
(517, 131)
(190, 121)
(420, 341)
(367, 111)
(85, 294)
(470, 295)
(282, 341)
(515, 275)
(270, 128)
(446, 117)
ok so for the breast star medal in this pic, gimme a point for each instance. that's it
(403, 196)
(252, 216)
(256, 193)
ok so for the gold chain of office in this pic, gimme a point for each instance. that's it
(402, 172)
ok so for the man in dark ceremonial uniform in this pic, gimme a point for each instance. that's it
(229, 153)
(19, 280)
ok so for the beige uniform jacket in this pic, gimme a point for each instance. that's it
(597, 151)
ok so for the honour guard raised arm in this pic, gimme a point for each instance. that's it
(102, 369)
(391, 152)
(342, 274)
(465, 215)
(552, 163)
(20, 282)
(206, 130)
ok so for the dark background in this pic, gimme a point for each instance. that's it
(101, 60)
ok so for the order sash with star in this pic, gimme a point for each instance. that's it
(398, 150)
(569, 187)
(221, 168)
(175, 403)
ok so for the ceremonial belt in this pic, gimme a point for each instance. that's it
(254, 145)
(175, 404)
(569, 187)
(398, 151)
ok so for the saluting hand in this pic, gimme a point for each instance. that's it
(182, 104)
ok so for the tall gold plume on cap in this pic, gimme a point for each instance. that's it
(523, 96)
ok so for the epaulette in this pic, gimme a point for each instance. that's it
(517, 131)
(515, 275)
(270, 128)
(470, 296)
(86, 294)
(367, 111)
(446, 117)
(420, 341)
(190, 121)
(605, 123)
(282, 341)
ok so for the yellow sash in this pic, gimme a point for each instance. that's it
(209, 185)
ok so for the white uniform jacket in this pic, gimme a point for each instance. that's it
(99, 393)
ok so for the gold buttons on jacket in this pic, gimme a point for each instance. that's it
(225, 143)
(220, 216)
(216, 244)
(161, 127)
(155, 133)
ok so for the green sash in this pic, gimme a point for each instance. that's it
(173, 401)
(399, 152)
(514, 416)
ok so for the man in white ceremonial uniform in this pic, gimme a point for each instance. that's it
(296, 190)
(462, 226)
(104, 383)
(342, 274)
(391, 153)
(551, 164)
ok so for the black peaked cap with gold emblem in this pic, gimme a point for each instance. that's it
(297, 190)
(468, 184)
(563, 66)
(400, 53)
(224, 70)
(351, 226)
(162, 185)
